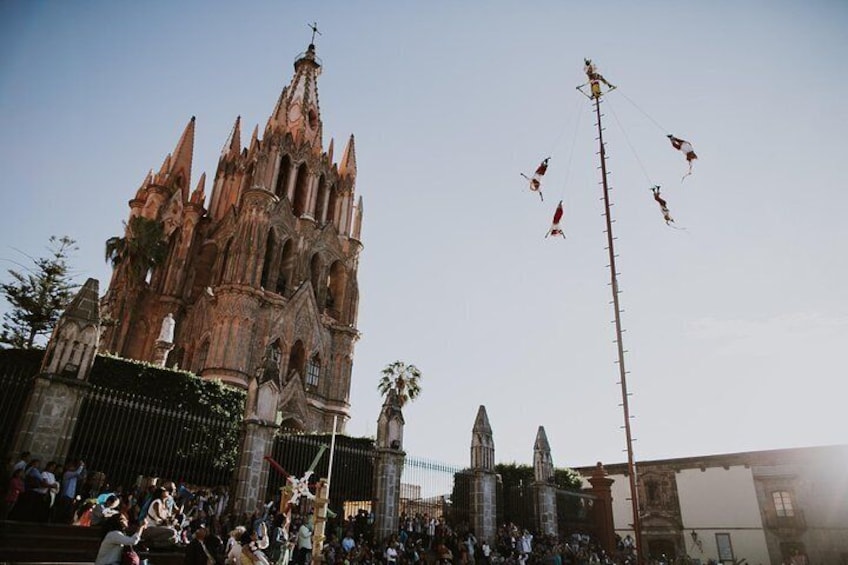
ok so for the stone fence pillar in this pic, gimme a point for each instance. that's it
(602, 510)
(51, 411)
(484, 480)
(388, 467)
(544, 508)
(258, 430)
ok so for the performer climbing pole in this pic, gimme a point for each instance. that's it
(595, 94)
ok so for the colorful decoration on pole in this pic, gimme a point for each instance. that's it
(686, 148)
(555, 229)
(663, 205)
(536, 179)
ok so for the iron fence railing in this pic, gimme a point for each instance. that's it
(15, 384)
(127, 436)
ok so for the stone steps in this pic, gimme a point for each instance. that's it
(23, 542)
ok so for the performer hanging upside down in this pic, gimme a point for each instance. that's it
(555, 229)
(536, 179)
(663, 205)
(686, 148)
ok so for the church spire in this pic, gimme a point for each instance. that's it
(176, 168)
(297, 111)
(180, 170)
(232, 147)
(482, 442)
(347, 167)
(543, 465)
(199, 194)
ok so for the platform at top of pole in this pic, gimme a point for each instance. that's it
(595, 82)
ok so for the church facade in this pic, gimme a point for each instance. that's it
(261, 280)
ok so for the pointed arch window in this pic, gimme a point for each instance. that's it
(313, 371)
(268, 281)
(301, 191)
(315, 275)
(286, 267)
(283, 177)
(297, 360)
(319, 202)
(202, 354)
(336, 282)
(331, 205)
(224, 260)
(203, 269)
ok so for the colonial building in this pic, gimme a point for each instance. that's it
(759, 506)
(262, 278)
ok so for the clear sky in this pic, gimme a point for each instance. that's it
(736, 326)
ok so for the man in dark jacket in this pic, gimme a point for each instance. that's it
(197, 553)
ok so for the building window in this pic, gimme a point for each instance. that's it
(313, 371)
(725, 548)
(782, 503)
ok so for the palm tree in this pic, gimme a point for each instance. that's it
(143, 248)
(403, 379)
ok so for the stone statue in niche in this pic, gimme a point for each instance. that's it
(166, 332)
(269, 367)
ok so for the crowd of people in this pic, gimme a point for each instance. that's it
(162, 515)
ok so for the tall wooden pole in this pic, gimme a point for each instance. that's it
(631, 467)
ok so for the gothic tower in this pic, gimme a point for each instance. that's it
(543, 489)
(265, 278)
(484, 481)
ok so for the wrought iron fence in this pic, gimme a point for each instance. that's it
(353, 467)
(574, 509)
(427, 486)
(436, 489)
(15, 384)
(575, 513)
(126, 436)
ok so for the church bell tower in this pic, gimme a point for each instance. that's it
(263, 278)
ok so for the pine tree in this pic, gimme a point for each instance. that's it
(38, 295)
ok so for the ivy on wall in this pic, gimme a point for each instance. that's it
(179, 389)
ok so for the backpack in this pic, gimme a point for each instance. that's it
(129, 556)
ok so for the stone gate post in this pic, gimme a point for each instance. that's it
(258, 429)
(388, 467)
(543, 488)
(484, 481)
(52, 408)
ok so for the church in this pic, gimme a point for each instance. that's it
(261, 280)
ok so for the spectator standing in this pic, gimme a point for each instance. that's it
(14, 488)
(67, 494)
(22, 462)
(304, 544)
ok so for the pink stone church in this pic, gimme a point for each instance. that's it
(261, 280)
